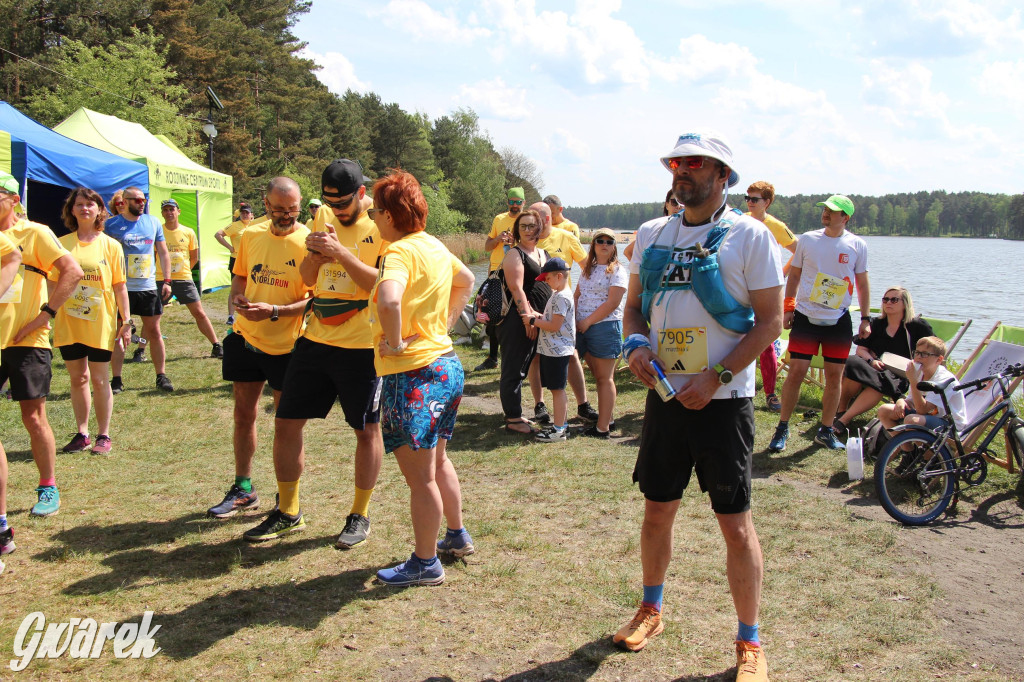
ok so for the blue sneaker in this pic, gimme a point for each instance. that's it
(49, 501)
(412, 572)
(778, 443)
(456, 545)
(827, 438)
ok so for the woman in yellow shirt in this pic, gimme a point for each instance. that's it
(85, 328)
(421, 290)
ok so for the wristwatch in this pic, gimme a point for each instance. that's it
(724, 375)
(45, 308)
(531, 321)
(273, 313)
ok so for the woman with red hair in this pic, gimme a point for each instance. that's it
(421, 290)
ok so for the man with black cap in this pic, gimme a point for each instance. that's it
(694, 334)
(557, 219)
(333, 357)
(499, 240)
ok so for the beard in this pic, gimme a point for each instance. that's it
(513, 210)
(135, 209)
(693, 192)
(283, 224)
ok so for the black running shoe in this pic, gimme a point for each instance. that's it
(139, 355)
(235, 501)
(163, 383)
(116, 386)
(540, 414)
(274, 526)
(586, 411)
(489, 363)
(357, 529)
(217, 352)
(7, 541)
(594, 432)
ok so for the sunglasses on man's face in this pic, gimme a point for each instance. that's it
(891, 299)
(515, 202)
(688, 162)
(604, 242)
(341, 205)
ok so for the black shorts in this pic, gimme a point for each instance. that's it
(717, 441)
(554, 372)
(241, 363)
(231, 265)
(834, 340)
(28, 370)
(145, 303)
(184, 290)
(77, 351)
(318, 374)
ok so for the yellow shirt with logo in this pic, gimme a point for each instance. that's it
(561, 244)
(6, 245)
(234, 232)
(181, 242)
(569, 226)
(89, 316)
(40, 249)
(503, 222)
(426, 268)
(364, 240)
(270, 265)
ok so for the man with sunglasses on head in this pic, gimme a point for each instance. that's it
(693, 338)
(142, 238)
(499, 240)
(819, 290)
(759, 198)
(333, 356)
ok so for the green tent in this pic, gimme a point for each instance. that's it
(203, 195)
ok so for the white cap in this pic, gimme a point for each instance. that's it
(703, 144)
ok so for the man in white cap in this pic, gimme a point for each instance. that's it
(698, 351)
(819, 289)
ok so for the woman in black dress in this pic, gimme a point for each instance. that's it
(866, 380)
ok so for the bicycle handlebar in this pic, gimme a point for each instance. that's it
(1010, 371)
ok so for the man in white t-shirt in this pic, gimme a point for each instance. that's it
(819, 290)
(708, 424)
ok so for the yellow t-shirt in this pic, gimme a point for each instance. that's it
(181, 242)
(503, 222)
(364, 240)
(234, 232)
(779, 230)
(40, 249)
(569, 226)
(89, 316)
(561, 244)
(426, 267)
(270, 265)
(6, 245)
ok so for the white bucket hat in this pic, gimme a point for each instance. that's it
(703, 144)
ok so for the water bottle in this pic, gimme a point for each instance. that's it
(662, 386)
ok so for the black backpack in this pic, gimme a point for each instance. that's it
(874, 439)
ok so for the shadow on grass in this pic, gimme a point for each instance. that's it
(305, 605)
(581, 664)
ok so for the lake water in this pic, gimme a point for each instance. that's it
(953, 279)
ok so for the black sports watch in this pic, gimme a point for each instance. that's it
(45, 308)
(274, 313)
(724, 375)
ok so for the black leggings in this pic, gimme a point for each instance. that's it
(517, 352)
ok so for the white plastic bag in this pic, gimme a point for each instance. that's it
(855, 458)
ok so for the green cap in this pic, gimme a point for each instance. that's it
(837, 202)
(9, 183)
(517, 193)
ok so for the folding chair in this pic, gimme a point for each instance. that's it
(950, 331)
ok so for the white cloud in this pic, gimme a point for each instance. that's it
(426, 23)
(337, 72)
(1001, 81)
(701, 60)
(566, 147)
(494, 99)
(939, 28)
(904, 97)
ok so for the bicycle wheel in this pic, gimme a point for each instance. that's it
(914, 482)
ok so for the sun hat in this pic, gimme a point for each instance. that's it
(703, 144)
(837, 202)
(553, 265)
(9, 183)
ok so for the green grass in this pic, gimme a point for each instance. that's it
(556, 572)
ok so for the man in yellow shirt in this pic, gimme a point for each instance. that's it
(25, 314)
(314, 208)
(560, 244)
(333, 356)
(183, 249)
(557, 219)
(499, 240)
(10, 261)
(230, 237)
(270, 298)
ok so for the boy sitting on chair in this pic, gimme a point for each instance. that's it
(925, 408)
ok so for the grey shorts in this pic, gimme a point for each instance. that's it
(185, 291)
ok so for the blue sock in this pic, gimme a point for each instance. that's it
(3, 522)
(426, 563)
(653, 594)
(454, 533)
(748, 633)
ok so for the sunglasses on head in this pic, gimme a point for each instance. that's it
(344, 203)
(752, 200)
(604, 242)
(891, 299)
(688, 162)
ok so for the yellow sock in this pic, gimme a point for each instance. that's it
(361, 504)
(289, 497)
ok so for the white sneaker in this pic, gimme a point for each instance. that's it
(552, 435)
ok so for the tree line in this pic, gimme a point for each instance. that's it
(917, 214)
(150, 61)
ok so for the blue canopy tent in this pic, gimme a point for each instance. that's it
(47, 165)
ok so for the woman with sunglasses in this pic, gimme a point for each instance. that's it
(421, 290)
(866, 380)
(600, 299)
(86, 329)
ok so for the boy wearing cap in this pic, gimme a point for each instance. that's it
(499, 240)
(25, 314)
(819, 290)
(183, 251)
(707, 425)
(557, 219)
(556, 343)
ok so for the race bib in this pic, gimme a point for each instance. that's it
(335, 280)
(85, 303)
(683, 351)
(140, 266)
(179, 263)
(829, 291)
(13, 294)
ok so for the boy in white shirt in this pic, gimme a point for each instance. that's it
(925, 408)
(556, 343)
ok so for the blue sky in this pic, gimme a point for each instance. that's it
(864, 97)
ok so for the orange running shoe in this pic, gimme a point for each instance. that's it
(645, 624)
(751, 664)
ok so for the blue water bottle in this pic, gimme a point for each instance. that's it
(663, 386)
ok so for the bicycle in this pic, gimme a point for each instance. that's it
(916, 475)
